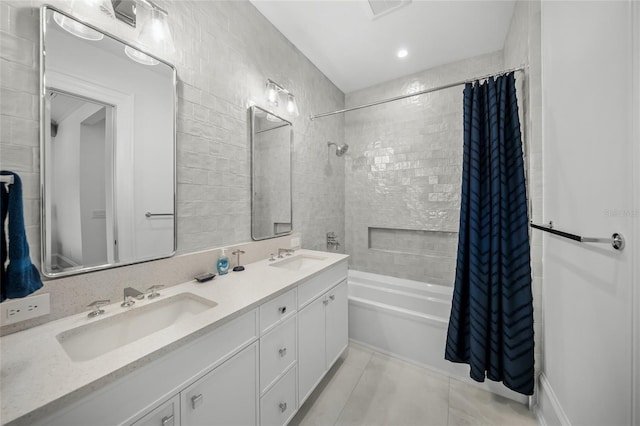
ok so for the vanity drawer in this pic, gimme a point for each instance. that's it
(279, 405)
(277, 310)
(277, 352)
(309, 290)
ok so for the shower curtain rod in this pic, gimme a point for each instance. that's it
(434, 89)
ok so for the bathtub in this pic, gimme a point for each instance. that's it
(408, 320)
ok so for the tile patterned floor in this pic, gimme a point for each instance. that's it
(369, 388)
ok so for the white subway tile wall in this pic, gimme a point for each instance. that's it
(225, 51)
(404, 172)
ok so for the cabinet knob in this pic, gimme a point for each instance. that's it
(283, 406)
(332, 297)
(168, 420)
(282, 352)
(282, 309)
(325, 302)
(196, 400)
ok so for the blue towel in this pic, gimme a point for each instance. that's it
(20, 278)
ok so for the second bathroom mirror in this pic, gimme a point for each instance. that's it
(271, 144)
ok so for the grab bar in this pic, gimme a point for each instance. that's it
(616, 240)
(149, 214)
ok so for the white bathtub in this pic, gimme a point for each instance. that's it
(407, 319)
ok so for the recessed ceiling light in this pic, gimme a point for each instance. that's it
(402, 53)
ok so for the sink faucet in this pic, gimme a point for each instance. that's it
(332, 240)
(130, 292)
(284, 250)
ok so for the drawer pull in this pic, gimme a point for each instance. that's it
(283, 406)
(332, 297)
(282, 309)
(196, 400)
(168, 420)
(282, 352)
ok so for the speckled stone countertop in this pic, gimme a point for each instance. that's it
(38, 377)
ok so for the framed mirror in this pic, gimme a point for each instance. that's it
(108, 125)
(271, 145)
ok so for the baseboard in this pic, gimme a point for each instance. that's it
(549, 411)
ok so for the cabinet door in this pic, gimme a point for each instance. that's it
(167, 414)
(225, 396)
(337, 318)
(311, 347)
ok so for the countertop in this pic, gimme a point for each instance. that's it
(38, 377)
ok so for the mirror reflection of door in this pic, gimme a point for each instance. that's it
(81, 206)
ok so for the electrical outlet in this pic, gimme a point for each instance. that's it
(16, 310)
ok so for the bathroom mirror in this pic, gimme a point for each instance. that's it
(107, 150)
(271, 144)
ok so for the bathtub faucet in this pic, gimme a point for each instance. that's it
(332, 241)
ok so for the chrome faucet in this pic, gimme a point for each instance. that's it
(130, 292)
(284, 250)
(332, 240)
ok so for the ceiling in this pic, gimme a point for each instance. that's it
(355, 51)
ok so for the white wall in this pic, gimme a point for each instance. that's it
(588, 189)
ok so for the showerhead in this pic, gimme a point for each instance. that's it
(340, 149)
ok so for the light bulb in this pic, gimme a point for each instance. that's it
(155, 33)
(292, 107)
(272, 94)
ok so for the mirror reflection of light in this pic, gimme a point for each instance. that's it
(140, 57)
(76, 28)
(402, 53)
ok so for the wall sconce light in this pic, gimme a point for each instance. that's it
(273, 91)
(154, 33)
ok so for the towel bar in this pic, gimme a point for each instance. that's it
(149, 214)
(616, 240)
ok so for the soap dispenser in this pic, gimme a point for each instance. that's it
(223, 263)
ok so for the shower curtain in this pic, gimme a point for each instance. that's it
(491, 322)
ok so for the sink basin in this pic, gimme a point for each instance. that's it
(97, 338)
(298, 262)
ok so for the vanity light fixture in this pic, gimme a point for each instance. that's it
(155, 33)
(140, 57)
(76, 28)
(273, 91)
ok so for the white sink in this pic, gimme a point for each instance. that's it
(298, 262)
(97, 338)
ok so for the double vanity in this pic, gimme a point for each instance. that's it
(246, 348)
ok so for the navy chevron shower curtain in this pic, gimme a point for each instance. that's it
(491, 322)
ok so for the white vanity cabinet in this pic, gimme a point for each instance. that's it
(322, 326)
(167, 414)
(278, 359)
(256, 368)
(226, 396)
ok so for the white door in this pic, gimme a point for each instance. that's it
(226, 396)
(311, 347)
(588, 121)
(337, 319)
